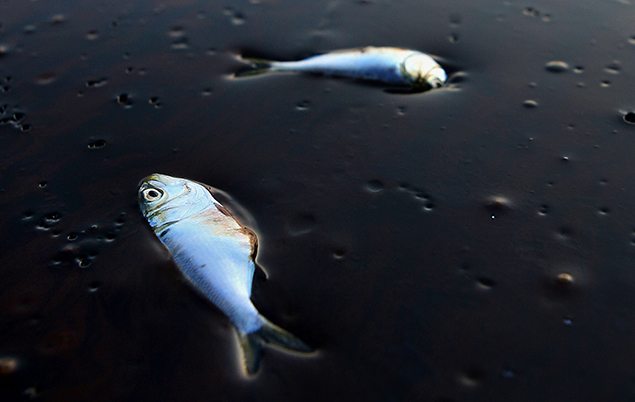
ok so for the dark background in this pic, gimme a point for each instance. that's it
(414, 240)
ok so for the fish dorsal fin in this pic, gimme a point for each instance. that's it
(228, 206)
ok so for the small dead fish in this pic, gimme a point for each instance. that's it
(215, 253)
(389, 65)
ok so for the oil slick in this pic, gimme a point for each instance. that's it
(215, 252)
(387, 65)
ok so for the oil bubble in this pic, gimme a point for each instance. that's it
(301, 224)
(339, 254)
(46, 78)
(374, 186)
(124, 100)
(530, 104)
(564, 279)
(92, 35)
(629, 118)
(485, 283)
(497, 204)
(557, 66)
(97, 144)
(471, 378)
(96, 83)
(8, 365)
(58, 19)
(303, 106)
(613, 68)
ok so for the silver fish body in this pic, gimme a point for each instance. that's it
(215, 253)
(390, 65)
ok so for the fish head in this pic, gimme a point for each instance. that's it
(423, 70)
(164, 198)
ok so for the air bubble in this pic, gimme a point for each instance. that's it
(471, 378)
(557, 66)
(374, 186)
(543, 210)
(567, 321)
(578, 69)
(154, 101)
(604, 210)
(42, 184)
(453, 38)
(605, 83)
(564, 279)
(4, 50)
(94, 287)
(429, 206)
(176, 32)
(631, 40)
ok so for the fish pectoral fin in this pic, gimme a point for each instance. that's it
(269, 334)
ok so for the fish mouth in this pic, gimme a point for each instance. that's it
(435, 77)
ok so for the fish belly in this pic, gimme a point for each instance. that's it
(219, 267)
(377, 67)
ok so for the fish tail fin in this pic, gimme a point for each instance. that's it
(255, 67)
(269, 334)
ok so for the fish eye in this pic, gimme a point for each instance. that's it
(152, 194)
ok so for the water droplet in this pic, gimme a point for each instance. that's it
(92, 35)
(557, 66)
(530, 104)
(629, 118)
(8, 365)
(97, 144)
(124, 100)
(374, 186)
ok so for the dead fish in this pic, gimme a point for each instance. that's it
(389, 65)
(215, 253)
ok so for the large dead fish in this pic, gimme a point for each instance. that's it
(389, 65)
(216, 253)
